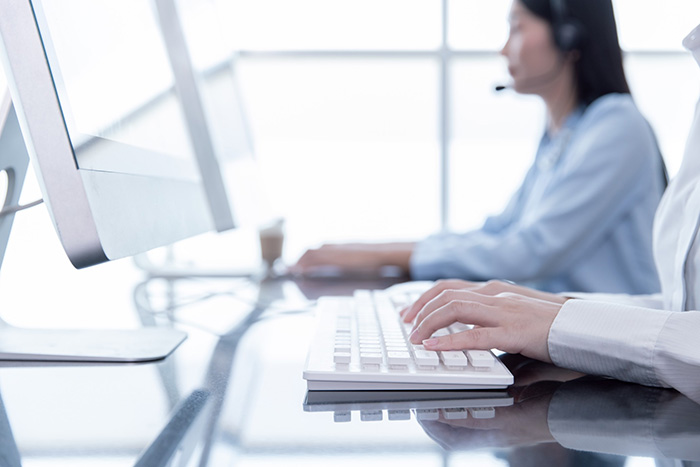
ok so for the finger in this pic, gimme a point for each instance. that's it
(496, 287)
(309, 258)
(474, 339)
(410, 313)
(322, 257)
(462, 311)
(300, 264)
(403, 312)
(493, 287)
(448, 296)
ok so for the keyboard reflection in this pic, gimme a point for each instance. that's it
(399, 405)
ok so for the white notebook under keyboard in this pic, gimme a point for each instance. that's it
(361, 343)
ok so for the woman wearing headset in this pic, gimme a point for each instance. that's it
(650, 339)
(582, 219)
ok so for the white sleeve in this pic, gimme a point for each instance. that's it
(654, 301)
(677, 353)
(641, 345)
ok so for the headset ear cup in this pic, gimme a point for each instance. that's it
(569, 36)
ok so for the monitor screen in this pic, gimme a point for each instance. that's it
(116, 87)
(104, 114)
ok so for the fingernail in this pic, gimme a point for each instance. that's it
(432, 342)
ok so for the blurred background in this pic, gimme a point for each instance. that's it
(369, 120)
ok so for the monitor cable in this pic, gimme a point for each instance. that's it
(21, 207)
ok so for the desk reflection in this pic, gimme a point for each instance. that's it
(551, 416)
(556, 420)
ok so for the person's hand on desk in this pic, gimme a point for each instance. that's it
(505, 316)
(354, 258)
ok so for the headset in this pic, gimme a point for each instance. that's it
(568, 32)
(569, 35)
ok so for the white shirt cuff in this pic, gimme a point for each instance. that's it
(607, 339)
(654, 301)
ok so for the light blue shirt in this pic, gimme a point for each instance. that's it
(581, 220)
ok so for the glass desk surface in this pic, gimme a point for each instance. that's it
(233, 394)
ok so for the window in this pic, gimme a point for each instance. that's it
(377, 120)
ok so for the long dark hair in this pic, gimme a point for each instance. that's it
(599, 69)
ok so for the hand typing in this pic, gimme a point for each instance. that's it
(511, 318)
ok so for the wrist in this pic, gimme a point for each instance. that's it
(396, 254)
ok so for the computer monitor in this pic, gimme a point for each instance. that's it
(208, 78)
(102, 109)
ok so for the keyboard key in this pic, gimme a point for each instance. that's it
(343, 324)
(367, 341)
(426, 358)
(481, 359)
(454, 359)
(394, 341)
(341, 357)
(370, 348)
(395, 334)
(398, 358)
(371, 358)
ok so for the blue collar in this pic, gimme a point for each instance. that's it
(569, 124)
(552, 149)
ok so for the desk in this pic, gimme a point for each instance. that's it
(232, 394)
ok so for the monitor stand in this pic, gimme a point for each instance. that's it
(169, 269)
(48, 345)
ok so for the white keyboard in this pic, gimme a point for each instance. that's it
(362, 344)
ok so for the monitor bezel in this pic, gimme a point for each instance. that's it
(99, 216)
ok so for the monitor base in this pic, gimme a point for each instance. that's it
(87, 345)
(169, 270)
